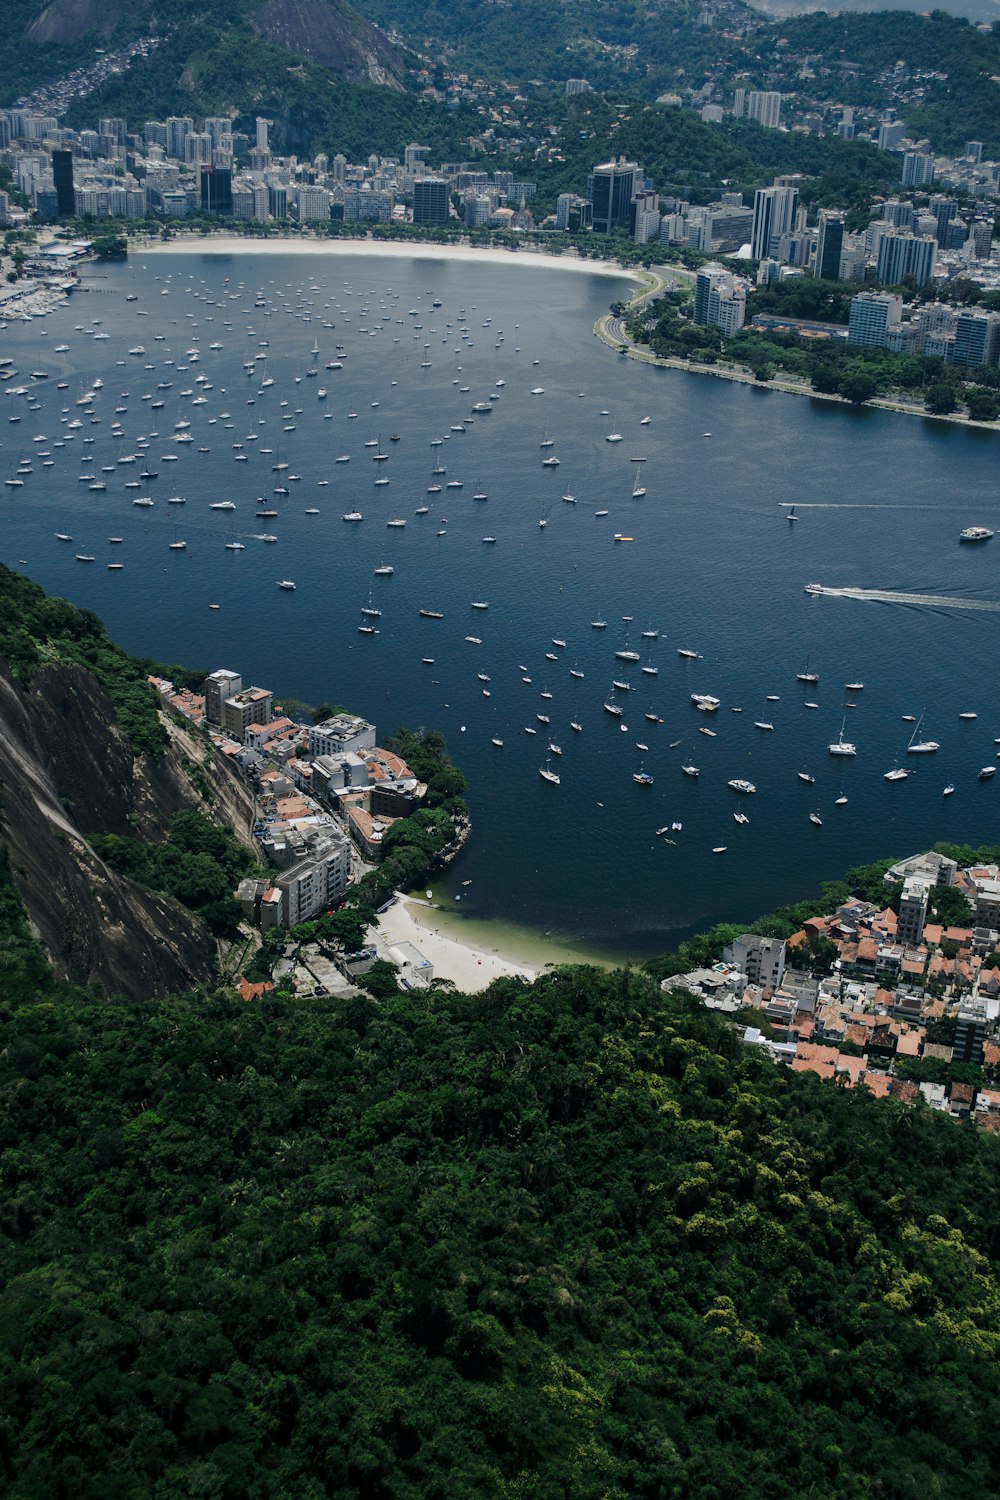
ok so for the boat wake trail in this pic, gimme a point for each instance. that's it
(937, 601)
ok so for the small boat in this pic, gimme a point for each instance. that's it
(921, 747)
(642, 778)
(967, 716)
(762, 724)
(688, 655)
(987, 773)
(896, 774)
(430, 614)
(690, 770)
(287, 584)
(575, 726)
(815, 818)
(975, 534)
(548, 775)
(839, 801)
(741, 818)
(352, 515)
(854, 687)
(805, 776)
(739, 785)
(719, 848)
(497, 742)
(949, 791)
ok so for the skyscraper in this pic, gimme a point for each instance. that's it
(774, 212)
(62, 176)
(903, 255)
(872, 314)
(431, 200)
(217, 190)
(918, 169)
(829, 245)
(611, 188)
(765, 108)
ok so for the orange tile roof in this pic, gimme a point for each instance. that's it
(878, 1083)
(933, 933)
(251, 991)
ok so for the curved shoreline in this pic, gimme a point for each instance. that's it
(534, 259)
(786, 385)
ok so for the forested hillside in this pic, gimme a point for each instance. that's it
(559, 1240)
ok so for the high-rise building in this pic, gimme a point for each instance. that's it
(829, 244)
(647, 217)
(179, 127)
(918, 169)
(261, 140)
(62, 176)
(774, 212)
(872, 314)
(977, 339)
(217, 688)
(217, 190)
(912, 912)
(415, 155)
(611, 188)
(577, 86)
(718, 301)
(765, 108)
(113, 129)
(431, 200)
(890, 133)
(973, 151)
(313, 204)
(739, 103)
(971, 1030)
(905, 255)
(944, 210)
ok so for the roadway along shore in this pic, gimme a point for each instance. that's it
(610, 329)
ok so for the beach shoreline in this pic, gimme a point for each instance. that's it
(470, 953)
(230, 244)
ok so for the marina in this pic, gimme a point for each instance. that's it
(518, 614)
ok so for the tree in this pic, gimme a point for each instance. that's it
(858, 387)
(380, 980)
(940, 399)
(984, 406)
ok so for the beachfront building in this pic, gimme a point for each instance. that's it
(611, 189)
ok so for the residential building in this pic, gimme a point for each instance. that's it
(918, 169)
(890, 133)
(765, 108)
(341, 734)
(977, 339)
(611, 189)
(313, 204)
(573, 212)
(912, 911)
(577, 86)
(761, 959)
(316, 882)
(971, 1030)
(871, 315)
(253, 705)
(217, 688)
(905, 256)
(647, 217)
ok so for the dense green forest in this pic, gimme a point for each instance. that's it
(36, 630)
(560, 1240)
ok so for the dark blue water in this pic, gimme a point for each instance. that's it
(714, 567)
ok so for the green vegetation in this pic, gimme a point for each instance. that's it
(36, 631)
(414, 846)
(560, 1240)
(830, 366)
(199, 865)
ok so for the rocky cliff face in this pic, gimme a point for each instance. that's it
(66, 770)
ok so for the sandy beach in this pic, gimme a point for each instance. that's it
(228, 244)
(470, 969)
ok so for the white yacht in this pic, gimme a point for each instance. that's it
(840, 746)
(739, 785)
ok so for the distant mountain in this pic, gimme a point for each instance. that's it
(970, 10)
